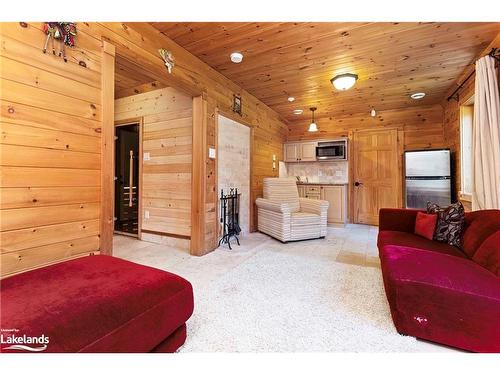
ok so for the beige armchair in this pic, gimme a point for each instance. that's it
(285, 216)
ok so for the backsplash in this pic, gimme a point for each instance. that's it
(325, 171)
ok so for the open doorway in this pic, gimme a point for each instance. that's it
(233, 165)
(127, 178)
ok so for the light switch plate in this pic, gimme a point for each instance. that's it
(147, 156)
(211, 153)
(146, 214)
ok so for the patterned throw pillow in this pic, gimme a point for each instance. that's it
(450, 223)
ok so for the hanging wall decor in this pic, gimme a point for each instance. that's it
(237, 104)
(168, 58)
(64, 32)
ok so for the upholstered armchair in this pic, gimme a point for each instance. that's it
(285, 216)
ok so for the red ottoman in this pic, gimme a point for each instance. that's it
(96, 304)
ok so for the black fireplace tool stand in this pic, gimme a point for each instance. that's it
(230, 216)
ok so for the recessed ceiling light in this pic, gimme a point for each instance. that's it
(291, 99)
(345, 81)
(236, 57)
(417, 95)
(297, 111)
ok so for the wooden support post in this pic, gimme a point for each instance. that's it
(198, 183)
(107, 148)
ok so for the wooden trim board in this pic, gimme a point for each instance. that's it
(107, 147)
(198, 181)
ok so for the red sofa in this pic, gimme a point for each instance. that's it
(97, 304)
(438, 292)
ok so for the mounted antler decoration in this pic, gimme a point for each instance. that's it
(168, 58)
(63, 31)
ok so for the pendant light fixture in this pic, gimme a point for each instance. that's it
(312, 126)
(344, 82)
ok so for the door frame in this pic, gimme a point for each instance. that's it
(140, 122)
(108, 54)
(352, 169)
(218, 112)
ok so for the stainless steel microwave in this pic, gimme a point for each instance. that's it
(332, 150)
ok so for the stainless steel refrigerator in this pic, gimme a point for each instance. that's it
(427, 178)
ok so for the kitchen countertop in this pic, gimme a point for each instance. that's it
(323, 183)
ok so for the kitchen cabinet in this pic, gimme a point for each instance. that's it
(300, 151)
(313, 192)
(336, 196)
(308, 151)
(292, 152)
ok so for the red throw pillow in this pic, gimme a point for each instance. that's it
(425, 225)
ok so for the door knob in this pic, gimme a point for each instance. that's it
(358, 183)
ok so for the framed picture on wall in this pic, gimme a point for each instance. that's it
(237, 104)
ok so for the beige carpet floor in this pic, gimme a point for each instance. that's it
(264, 296)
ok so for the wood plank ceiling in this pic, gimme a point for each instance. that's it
(392, 60)
(131, 79)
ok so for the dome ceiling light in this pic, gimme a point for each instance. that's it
(236, 57)
(297, 111)
(417, 95)
(312, 126)
(344, 82)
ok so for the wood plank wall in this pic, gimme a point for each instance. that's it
(422, 127)
(141, 41)
(50, 149)
(451, 121)
(418, 128)
(167, 137)
(52, 111)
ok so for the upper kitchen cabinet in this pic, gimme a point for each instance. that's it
(303, 151)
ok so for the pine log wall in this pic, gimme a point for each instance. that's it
(51, 136)
(167, 127)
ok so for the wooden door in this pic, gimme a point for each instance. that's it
(335, 196)
(376, 176)
(308, 151)
(291, 152)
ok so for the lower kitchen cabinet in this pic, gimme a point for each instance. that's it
(336, 196)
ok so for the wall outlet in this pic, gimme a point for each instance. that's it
(274, 157)
(146, 156)
(146, 214)
(211, 153)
